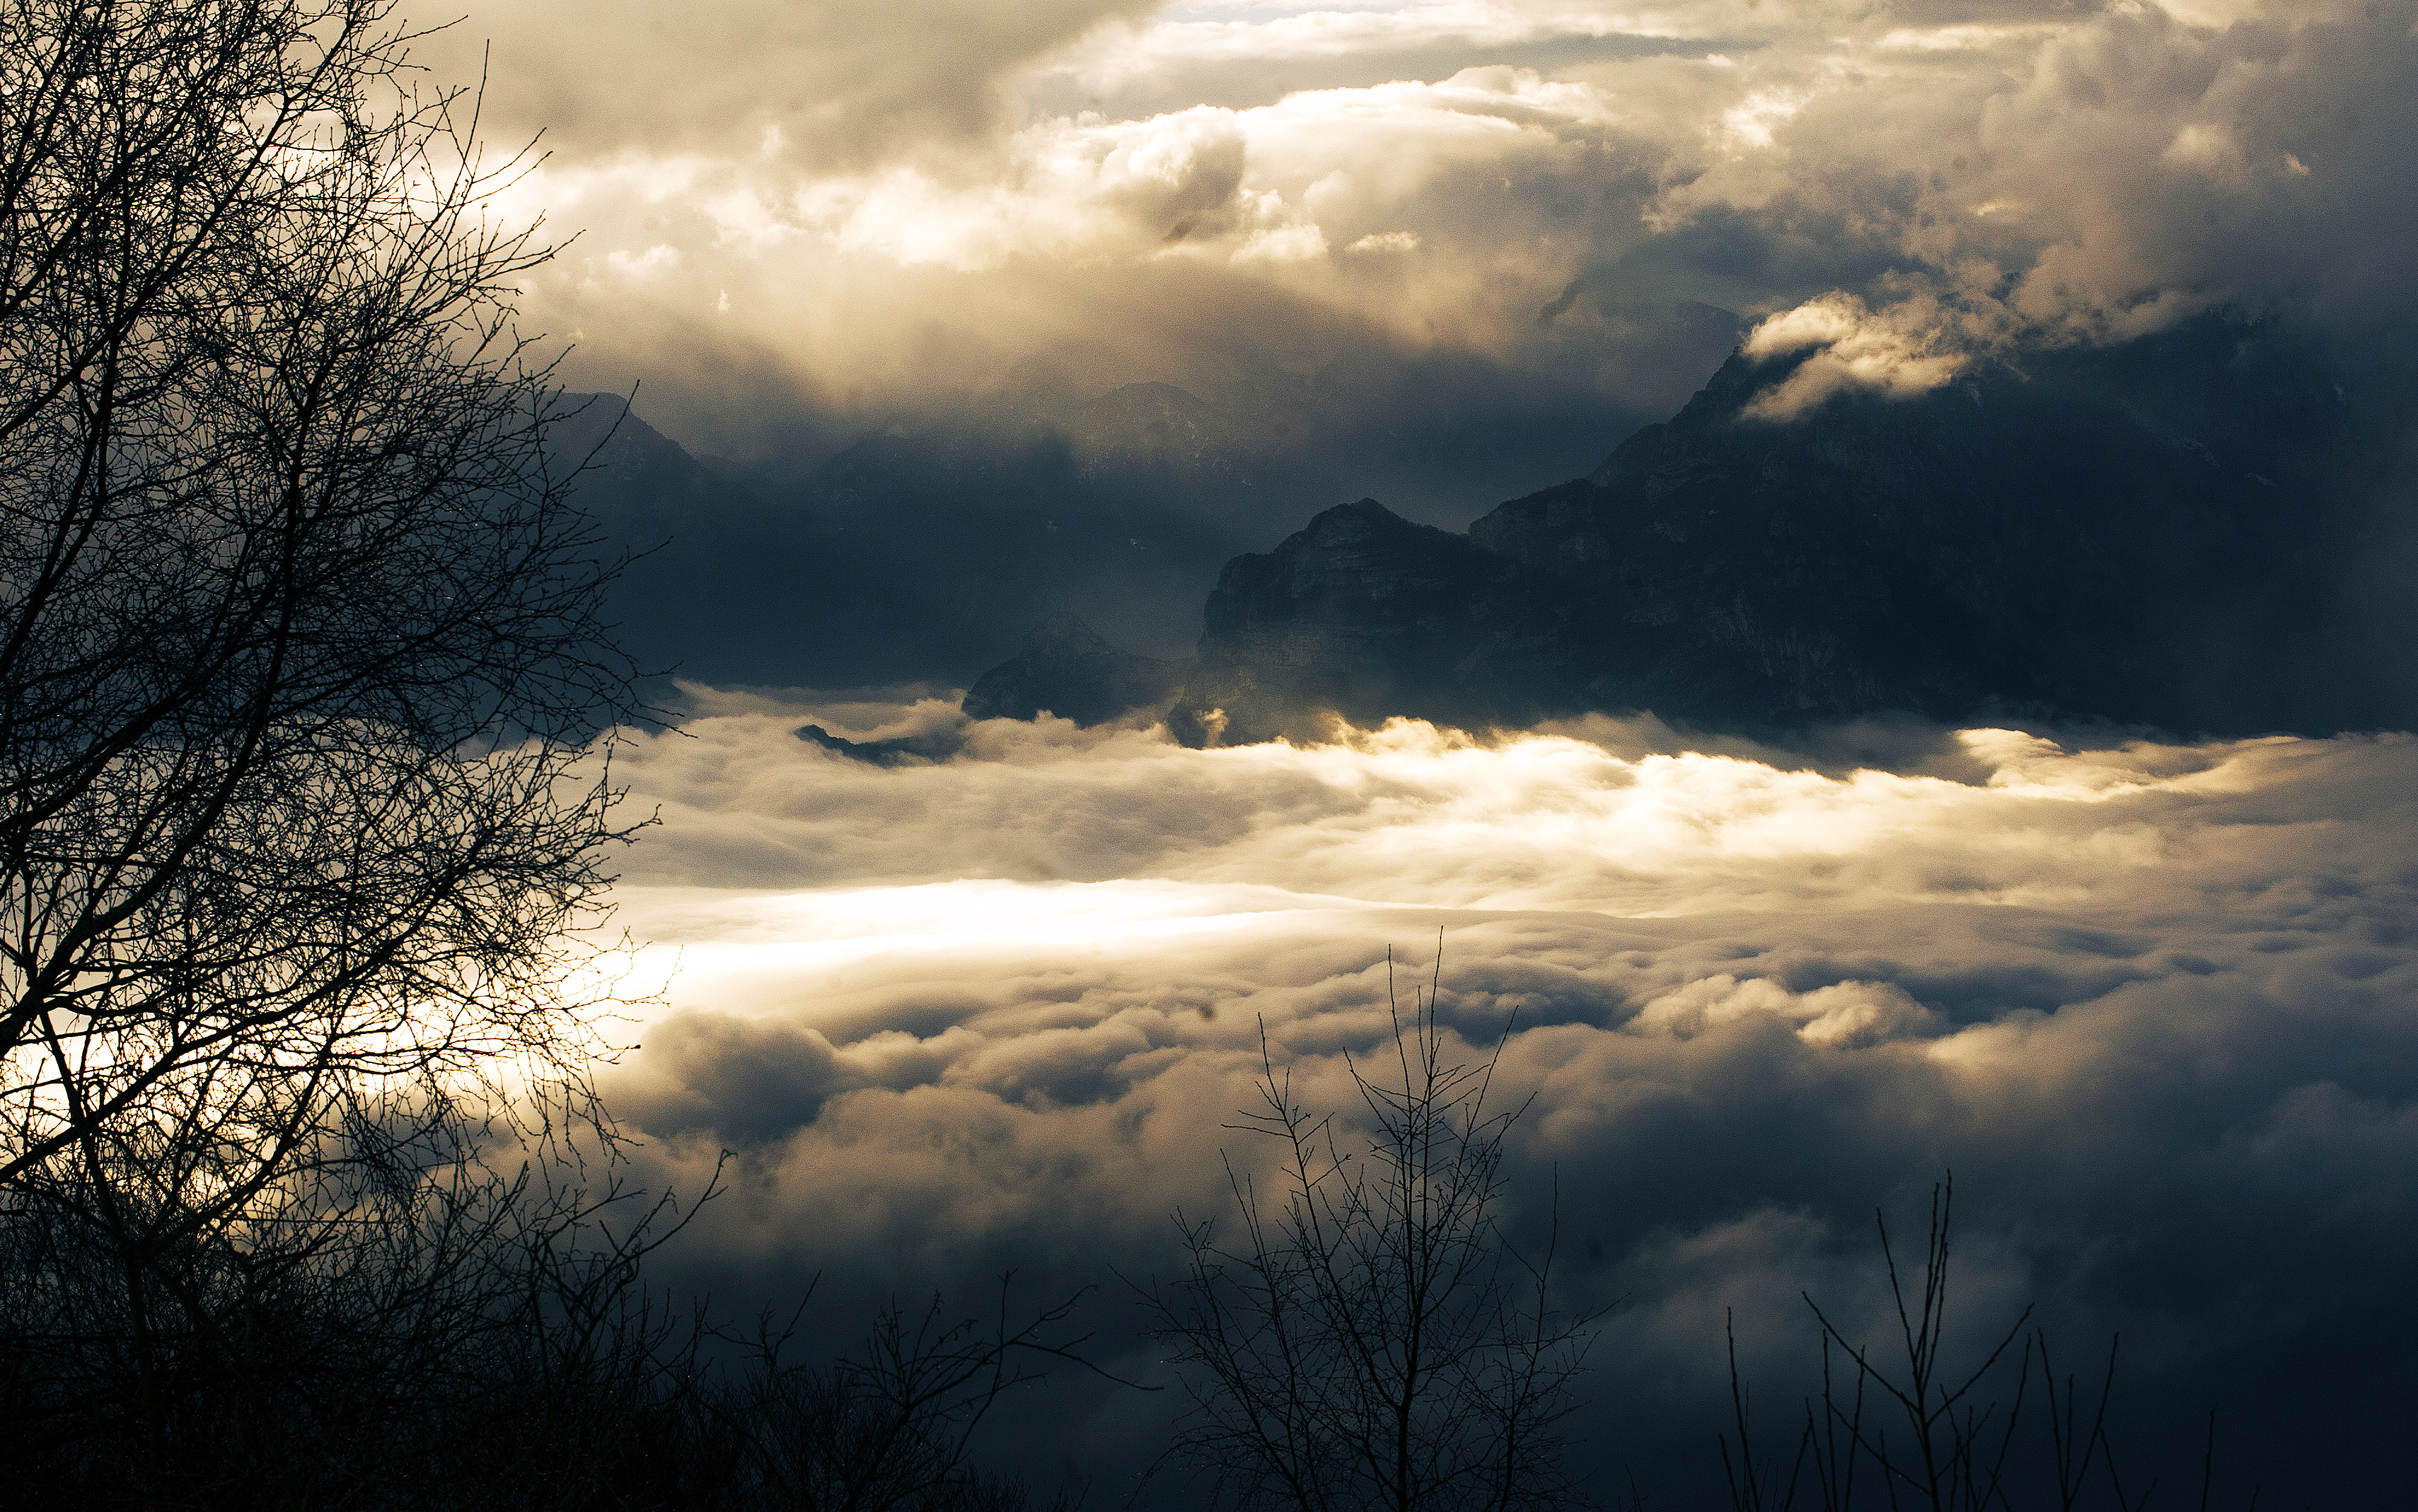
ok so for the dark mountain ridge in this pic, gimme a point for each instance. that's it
(920, 551)
(2181, 532)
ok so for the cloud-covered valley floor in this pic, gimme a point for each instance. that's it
(2155, 1004)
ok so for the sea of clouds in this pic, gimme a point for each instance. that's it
(2155, 1004)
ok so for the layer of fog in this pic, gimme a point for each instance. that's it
(2153, 1003)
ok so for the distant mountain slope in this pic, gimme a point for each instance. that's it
(1365, 613)
(900, 562)
(925, 548)
(638, 478)
(2178, 532)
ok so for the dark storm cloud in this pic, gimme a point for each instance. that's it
(2153, 1004)
(1980, 176)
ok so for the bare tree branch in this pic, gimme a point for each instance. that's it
(1374, 1340)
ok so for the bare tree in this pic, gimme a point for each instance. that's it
(1956, 1436)
(302, 793)
(330, 1357)
(297, 625)
(305, 718)
(1374, 1340)
(464, 1340)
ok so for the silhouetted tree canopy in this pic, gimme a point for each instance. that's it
(302, 797)
(299, 653)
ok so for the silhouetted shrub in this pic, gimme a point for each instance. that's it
(1961, 1444)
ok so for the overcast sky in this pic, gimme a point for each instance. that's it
(855, 206)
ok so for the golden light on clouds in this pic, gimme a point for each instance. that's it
(810, 167)
(1003, 1003)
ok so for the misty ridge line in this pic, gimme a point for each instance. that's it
(2155, 534)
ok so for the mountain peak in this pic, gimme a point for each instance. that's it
(1065, 667)
(2133, 533)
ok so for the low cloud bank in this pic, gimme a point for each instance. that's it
(2153, 1003)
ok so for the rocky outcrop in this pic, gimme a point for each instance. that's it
(1363, 613)
(1064, 669)
(900, 751)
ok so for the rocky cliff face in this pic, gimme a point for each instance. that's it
(1361, 613)
(2009, 538)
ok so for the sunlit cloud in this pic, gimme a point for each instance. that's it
(1004, 1004)
(2080, 172)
